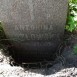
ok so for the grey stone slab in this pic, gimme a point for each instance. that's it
(35, 26)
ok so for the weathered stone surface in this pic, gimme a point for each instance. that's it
(35, 26)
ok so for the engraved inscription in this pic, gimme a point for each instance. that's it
(32, 27)
(31, 32)
(36, 37)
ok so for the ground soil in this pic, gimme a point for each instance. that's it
(65, 65)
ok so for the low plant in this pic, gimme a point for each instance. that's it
(71, 24)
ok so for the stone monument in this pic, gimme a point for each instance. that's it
(34, 27)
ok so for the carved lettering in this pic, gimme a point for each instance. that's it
(34, 36)
(32, 27)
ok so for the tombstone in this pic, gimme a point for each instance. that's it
(34, 27)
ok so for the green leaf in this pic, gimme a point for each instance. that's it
(71, 24)
(72, 13)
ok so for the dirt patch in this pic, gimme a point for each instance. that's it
(65, 65)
